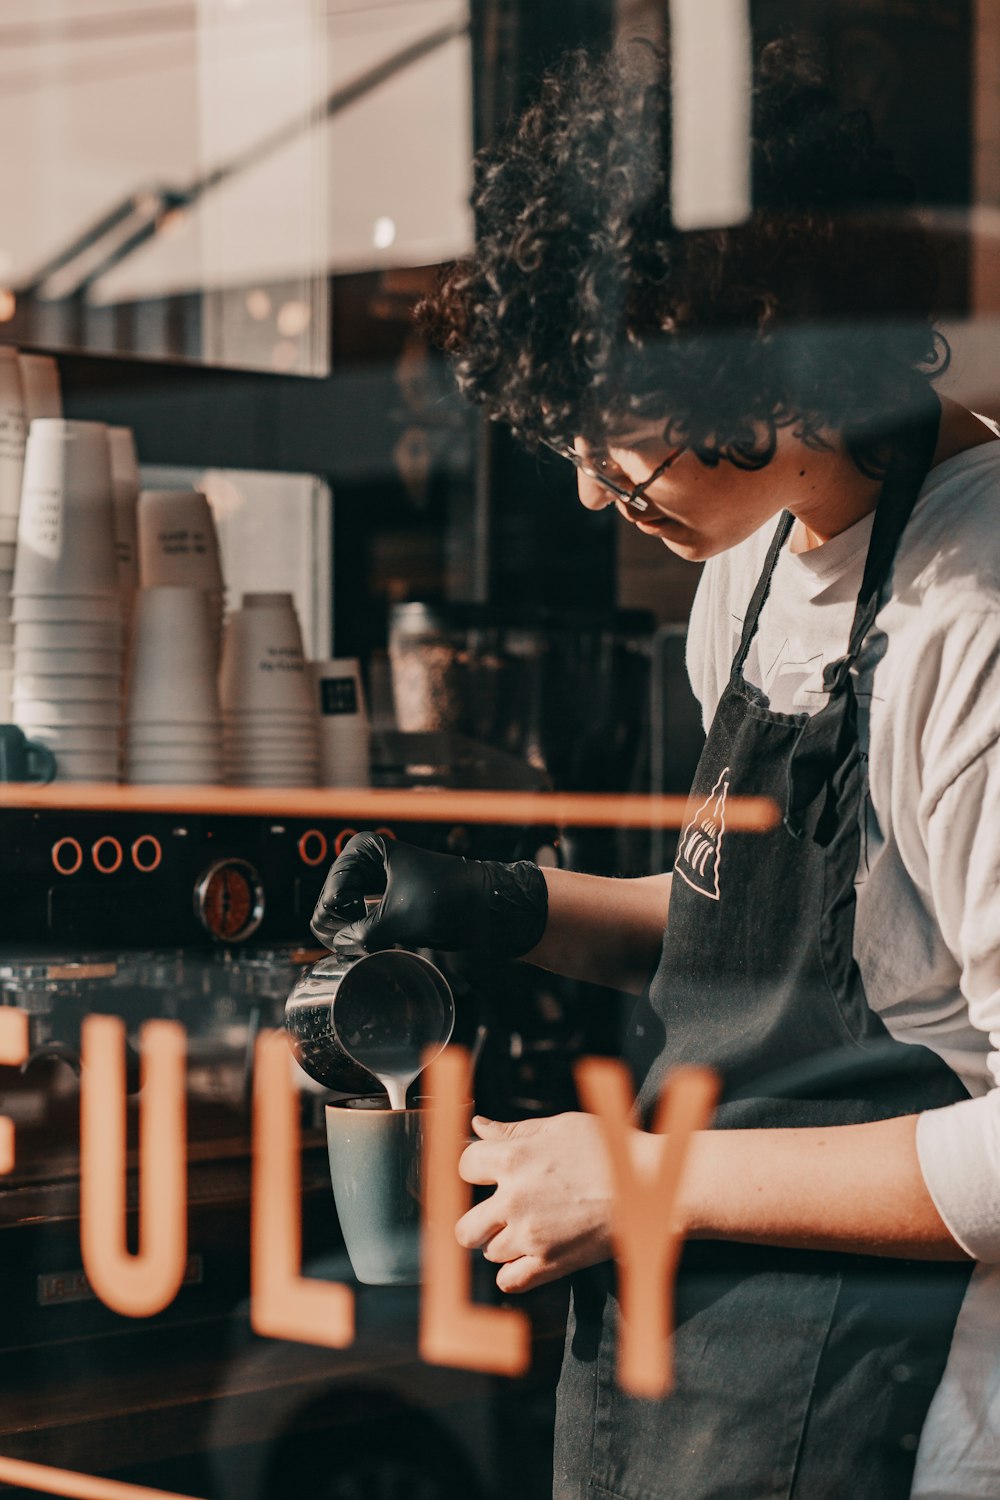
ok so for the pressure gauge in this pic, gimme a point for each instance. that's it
(229, 900)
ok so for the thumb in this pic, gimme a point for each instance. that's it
(503, 1130)
(361, 937)
(491, 1130)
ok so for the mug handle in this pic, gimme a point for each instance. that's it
(40, 755)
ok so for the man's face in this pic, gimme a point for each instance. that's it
(694, 510)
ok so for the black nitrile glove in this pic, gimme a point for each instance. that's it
(429, 901)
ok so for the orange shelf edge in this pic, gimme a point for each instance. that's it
(364, 804)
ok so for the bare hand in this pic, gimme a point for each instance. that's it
(551, 1212)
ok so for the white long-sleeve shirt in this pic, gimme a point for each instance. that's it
(927, 929)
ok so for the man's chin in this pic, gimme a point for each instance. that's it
(692, 551)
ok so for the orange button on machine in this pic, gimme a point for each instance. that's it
(67, 856)
(107, 855)
(313, 847)
(147, 853)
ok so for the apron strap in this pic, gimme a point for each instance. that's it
(913, 450)
(761, 592)
(825, 737)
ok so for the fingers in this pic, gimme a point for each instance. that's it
(525, 1273)
(358, 871)
(502, 1247)
(361, 937)
(480, 1225)
(482, 1163)
(494, 1130)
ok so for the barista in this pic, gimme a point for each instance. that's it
(740, 397)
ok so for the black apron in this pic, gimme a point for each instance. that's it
(800, 1374)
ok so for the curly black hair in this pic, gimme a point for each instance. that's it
(584, 308)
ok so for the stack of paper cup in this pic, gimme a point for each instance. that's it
(42, 392)
(173, 725)
(343, 722)
(67, 680)
(179, 548)
(6, 631)
(12, 429)
(125, 493)
(269, 710)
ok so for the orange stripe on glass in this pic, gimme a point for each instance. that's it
(76, 1486)
(647, 1234)
(143, 1284)
(453, 1329)
(315, 804)
(284, 1304)
(14, 1047)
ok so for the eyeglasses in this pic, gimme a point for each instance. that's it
(595, 467)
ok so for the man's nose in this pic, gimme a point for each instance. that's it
(593, 495)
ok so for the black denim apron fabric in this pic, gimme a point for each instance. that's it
(799, 1375)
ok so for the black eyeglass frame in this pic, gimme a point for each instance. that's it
(634, 498)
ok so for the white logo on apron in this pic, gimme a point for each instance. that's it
(699, 850)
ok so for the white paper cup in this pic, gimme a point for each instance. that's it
(165, 735)
(273, 768)
(86, 688)
(65, 535)
(56, 714)
(45, 663)
(303, 733)
(285, 782)
(172, 676)
(287, 722)
(344, 733)
(191, 763)
(170, 774)
(83, 765)
(268, 601)
(182, 781)
(66, 609)
(125, 494)
(40, 383)
(263, 668)
(178, 543)
(68, 635)
(13, 427)
(75, 737)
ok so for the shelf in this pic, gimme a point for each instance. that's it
(365, 805)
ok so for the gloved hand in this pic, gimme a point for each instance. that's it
(429, 900)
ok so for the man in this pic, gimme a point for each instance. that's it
(759, 397)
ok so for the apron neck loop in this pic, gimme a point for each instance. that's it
(822, 739)
(760, 593)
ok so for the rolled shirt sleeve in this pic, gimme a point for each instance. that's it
(959, 1147)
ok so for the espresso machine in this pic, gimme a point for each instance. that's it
(203, 920)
